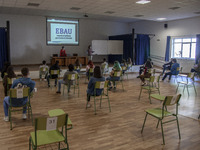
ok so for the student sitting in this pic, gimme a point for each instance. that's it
(196, 67)
(129, 63)
(53, 67)
(25, 80)
(77, 66)
(88, 67)
(10, 74)
(167, 66)
(43, 70)
(116, 67)
(148, 65)
(65, 78)
(144, 75)
(173, 70)
(104, 66)
(90, 90)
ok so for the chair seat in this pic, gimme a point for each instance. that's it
(158, 97)
(47, 137)
(157, 112)
(183, 82)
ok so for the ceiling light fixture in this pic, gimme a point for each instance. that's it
(160, 19)
(143, 1)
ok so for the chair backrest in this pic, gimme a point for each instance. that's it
(191, 75)
(152, 79)
(101, 84)
(55, 72)
(43, 69)
(178, 69)
(72, 77)
(20, 92)
(10, 81)
(117, 73)
(91, 70)
(77, 68)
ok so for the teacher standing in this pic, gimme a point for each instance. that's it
(90, 51)
(62, 52)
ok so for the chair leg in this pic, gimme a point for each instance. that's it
(31, 115)
(194, 89)
(149, 91)
(144, 123)
(158, 123)
(187, 90)
(183, 88)
(162, 133)
(109, 104)
(94, 106)
(10, 119)
(100, 101)
(29, 143)
(122, 86)
(140, 93)
(177, 88)
(178, 128)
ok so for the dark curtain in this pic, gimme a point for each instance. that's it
(167, 48)
(128, 48)
(142, 49)
(197, 48)
(3, 47)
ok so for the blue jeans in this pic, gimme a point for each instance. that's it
(167, 74)
(48, 77)
(6, 104)
(112, 79)
(165, 67)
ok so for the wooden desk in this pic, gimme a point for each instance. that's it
(65, 61)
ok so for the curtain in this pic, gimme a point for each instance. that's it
(142, 48)
(3, 47)
(197, 48)
(128, 48)
(167, 48)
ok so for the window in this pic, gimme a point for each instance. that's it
(183, 47)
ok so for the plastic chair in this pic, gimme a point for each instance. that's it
(43, 72)
(9, 83)
(19, 93)
(104, 94)
(151, 86)
(124, 71)
(188, 83)
(162, 113)
(53, 72)
(118, 74)
(73, 81)
(46, 132)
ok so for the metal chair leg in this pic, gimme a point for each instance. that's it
(144, 123)
(140, 93)
(162, 133)
(178, 128)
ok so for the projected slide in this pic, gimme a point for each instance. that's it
(62, 32)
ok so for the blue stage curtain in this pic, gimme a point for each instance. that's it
(197, 48)
(3, 50)
(142, 48)
(167, 48)
(128, 48)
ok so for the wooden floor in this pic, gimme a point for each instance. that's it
(118, 130)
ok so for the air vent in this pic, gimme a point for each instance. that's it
(138, 15)
(33, 4)
(197, 12)
(109, 12)
(174, 8)
(75, 8)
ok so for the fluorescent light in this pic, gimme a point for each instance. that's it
(160, 19)
(143, 1)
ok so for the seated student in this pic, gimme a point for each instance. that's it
(116, 67)
(129, 63)
(148, 64)
(65, 78)
(123, 64)
(10, 74)
(43, 69)
(25, 80)
(88, 67)
(144, 75)
(77, 66)
(53, 67)
(173, 70)
(5, 67)
(167, 66)
(62, 52)
(196, 67)
(104, 66)
(97, 77)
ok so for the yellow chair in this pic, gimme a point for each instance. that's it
(9, 83)
(43, 72)
(162, 113)
(188, 83)
(54, 72)
(118, 74)
(46, 132)
(100, 85)
(19, 93)
(73, 81)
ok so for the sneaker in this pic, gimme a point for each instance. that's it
(88, 105)
(24, 117)
(58, 92)
(6, 118)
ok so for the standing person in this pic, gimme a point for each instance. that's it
(173, 70)
(65, 78)
(53, 67)
(116, 67)
(148, 64)
(43, 69)
(90, 51)
(104, 66)
(167, 66)
(10, 74)
(25, 80)
(62, 52)
(5, 67)
(88, 67)
(91, 84)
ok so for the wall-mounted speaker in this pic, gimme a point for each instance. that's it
(165, 25)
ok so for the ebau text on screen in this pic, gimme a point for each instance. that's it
(63, 31)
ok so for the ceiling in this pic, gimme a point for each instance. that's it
(114, 10)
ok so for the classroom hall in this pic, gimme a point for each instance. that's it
(36, 30)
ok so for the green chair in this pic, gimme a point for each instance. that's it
(46, 132)
(9, 83)
(151, 86)
(104, 95)
(118, 74)
(20, 93)
(43, 72)
(90, 74)
(188, 83)
(162, 113)
(53, 72)
(124, 71)
(73, 81)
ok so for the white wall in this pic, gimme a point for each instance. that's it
(183, 27)
(28, 37)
